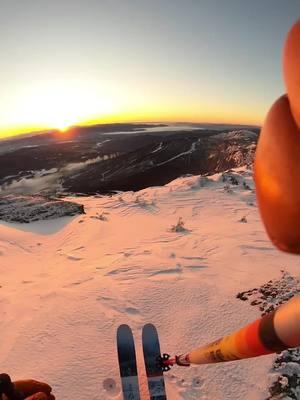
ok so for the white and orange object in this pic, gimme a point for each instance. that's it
(276, 331)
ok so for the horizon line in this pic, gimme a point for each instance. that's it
(91, 124)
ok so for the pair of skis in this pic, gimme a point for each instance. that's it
(128, 365)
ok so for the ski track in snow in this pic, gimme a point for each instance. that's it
(65, 288)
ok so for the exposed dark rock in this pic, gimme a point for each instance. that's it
(25, 209)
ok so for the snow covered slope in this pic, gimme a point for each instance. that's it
(66, 285)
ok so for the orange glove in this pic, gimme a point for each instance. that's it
(33, 390)
(277, 161)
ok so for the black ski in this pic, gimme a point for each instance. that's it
(151, 349)
(127, 363)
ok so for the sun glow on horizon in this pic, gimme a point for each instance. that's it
(126, 118)
(60, 105)
(41, 106)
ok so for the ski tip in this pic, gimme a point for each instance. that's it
(123, 328)
(149, 326)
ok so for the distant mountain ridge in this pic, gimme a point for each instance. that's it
(101, 159)
(166, 159)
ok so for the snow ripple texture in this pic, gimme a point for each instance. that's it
(175, 256)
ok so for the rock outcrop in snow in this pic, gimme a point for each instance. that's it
(34, 208)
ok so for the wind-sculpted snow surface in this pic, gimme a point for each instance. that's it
(175, 256)
(25, 209)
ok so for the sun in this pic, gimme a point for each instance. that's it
(63, 127)
(60, 105)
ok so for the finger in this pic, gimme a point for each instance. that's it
(30, 386)
(291, 66)
(38, 396)
(277, 171)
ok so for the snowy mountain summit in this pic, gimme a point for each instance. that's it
(175, 256)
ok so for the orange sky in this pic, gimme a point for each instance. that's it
(108, 62)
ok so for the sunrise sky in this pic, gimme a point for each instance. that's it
(69, 62)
